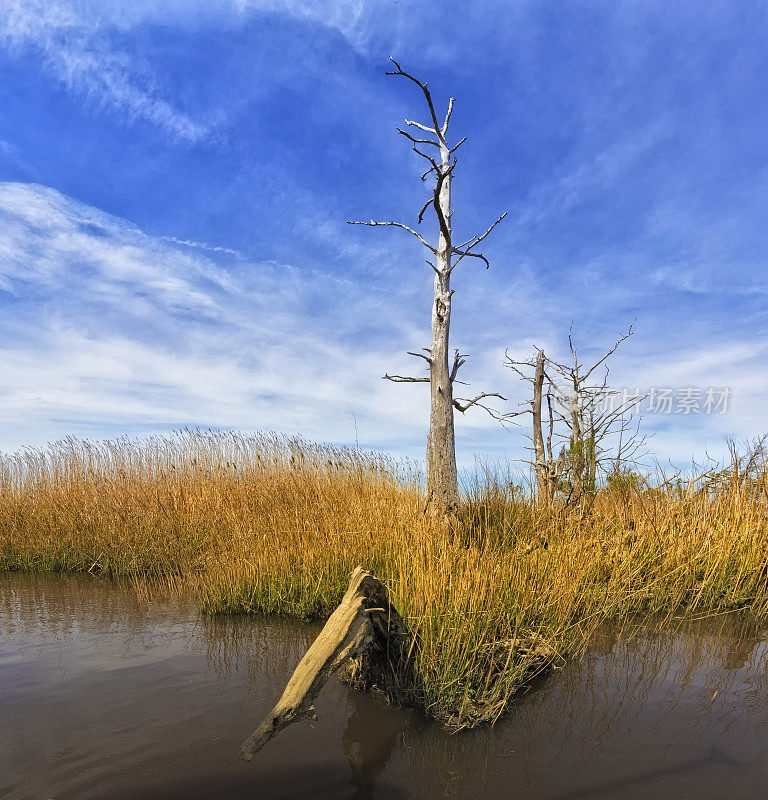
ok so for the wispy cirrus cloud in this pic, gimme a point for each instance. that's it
(51, 244)
(76, 49)
(203, 246)
(107, 328)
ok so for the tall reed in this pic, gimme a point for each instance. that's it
(273, 524)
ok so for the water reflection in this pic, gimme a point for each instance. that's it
(261, 653)
(641, 711)
(373, 728)
(370, 737)
(102, 694)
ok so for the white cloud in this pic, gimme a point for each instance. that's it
(203, 246)
(75, 48)
(72, 35)
(110, 329)
(106, 330)
(588, 172)
(46, 240)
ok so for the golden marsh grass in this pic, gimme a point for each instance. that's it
(275, 525)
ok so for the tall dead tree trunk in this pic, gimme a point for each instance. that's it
(545, 468)
(578, 444)
(442, 476)
(540, 455)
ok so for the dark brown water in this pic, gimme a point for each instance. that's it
(104, 696)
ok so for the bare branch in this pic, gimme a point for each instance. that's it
(429, 158)
(458, 360)
(415, 140)
(420, 355)
(457, 401)
(403, 379)
(444, 129)
(610, 352)
(457, 146)
(465, 249)
(441, 176)
(464, 253)
(513, 366)
(470, 243)
(516, 366)
(424, 208)
(415, 124)
(423, 86)
(396, 225)
(504, 418)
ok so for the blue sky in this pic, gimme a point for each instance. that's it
(175, 179)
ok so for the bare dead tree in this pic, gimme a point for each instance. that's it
(543, 463)
(430, 142)
(581, 415)
(592, 420)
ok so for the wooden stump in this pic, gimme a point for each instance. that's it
(366, 634)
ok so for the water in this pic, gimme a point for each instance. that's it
(104, 696)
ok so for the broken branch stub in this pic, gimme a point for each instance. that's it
(365, 633)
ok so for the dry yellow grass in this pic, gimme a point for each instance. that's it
(269, 524)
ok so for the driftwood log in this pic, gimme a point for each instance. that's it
(366, 636)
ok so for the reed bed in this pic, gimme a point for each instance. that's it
(271, 524)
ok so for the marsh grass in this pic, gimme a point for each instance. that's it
(275, 525)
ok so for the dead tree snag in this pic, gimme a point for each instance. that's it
(366, 635)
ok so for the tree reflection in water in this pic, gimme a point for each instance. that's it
(370, 737)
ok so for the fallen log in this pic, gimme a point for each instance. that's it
(366, 635)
